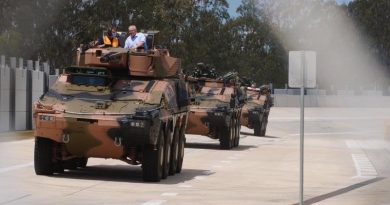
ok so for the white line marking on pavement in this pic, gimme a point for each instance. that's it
(185, 186)
(200, 177)
(225, 161)
(18, 142)
(326, 118)
(217, 166)
(363, 166)
(169, 194)
(332, 133)
(154, 202)
(233, 158)
(352, 144)
(20, 166)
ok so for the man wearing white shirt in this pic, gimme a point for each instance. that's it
(135, 40)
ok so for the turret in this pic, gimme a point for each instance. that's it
(154, 62)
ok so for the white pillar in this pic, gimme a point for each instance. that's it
(30, 65)
(13, 62)
(46, 68)
(37, 66)
(2, 61)
(37, 85)
(21, 63)
(5, 99)
(22, 99)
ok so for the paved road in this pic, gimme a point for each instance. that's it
(347, 162)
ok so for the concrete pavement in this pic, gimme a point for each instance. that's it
(347, 161)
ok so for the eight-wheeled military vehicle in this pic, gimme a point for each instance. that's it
(216, 106)
(130, 105)
(255, 112)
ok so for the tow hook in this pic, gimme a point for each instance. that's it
(118, 141)
(65, 138)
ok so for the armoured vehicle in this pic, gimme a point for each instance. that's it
(216, 106)
(130, 105)
(255, 113)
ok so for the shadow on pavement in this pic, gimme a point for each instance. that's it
(124, 173)
(340, 191)
(197, 145)
(251, 134)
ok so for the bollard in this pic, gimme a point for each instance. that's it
(21, 63)
(30, 65)
(37, 66)
(13, 62)
(46, 68)
(2, 61)
(57, 72)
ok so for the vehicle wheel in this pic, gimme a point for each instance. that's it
(238, 134)
(58, 168)
(43, 156)
(70, 164)
(264, 125)
(182, 142)
(174, 151)
(234, 134)
(257, 129)
(82, 162)
(226, 136)
(167, 153)
(152, 165)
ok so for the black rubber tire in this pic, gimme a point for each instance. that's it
(224, 137)
(257, 129)
(264, 125)
(43, 156)
(167, 152)
(237, 141)
(152, 165)
(182, 142)
(82, 162)
(58, 168)
(174, 151)
(234, 126)
(232, 132)
(70, 164)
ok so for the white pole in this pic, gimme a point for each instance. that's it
(301, 198)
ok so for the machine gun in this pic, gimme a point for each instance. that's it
(204, 71)
(230, 78)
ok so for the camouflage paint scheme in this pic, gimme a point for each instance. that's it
(257, 107)
(145, 94)
(216, 109)
(92, 130)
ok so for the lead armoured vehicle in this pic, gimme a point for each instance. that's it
(255, 113)
(216, 106)
(115, 103)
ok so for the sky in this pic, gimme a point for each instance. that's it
(233, 5)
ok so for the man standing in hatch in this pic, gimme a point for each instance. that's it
(135, 40)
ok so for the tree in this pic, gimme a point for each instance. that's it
(255, 49)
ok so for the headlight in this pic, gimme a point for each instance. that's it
(218, 113)
(137, 123)
(146, 113)
(132, 122)
(46, 118)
